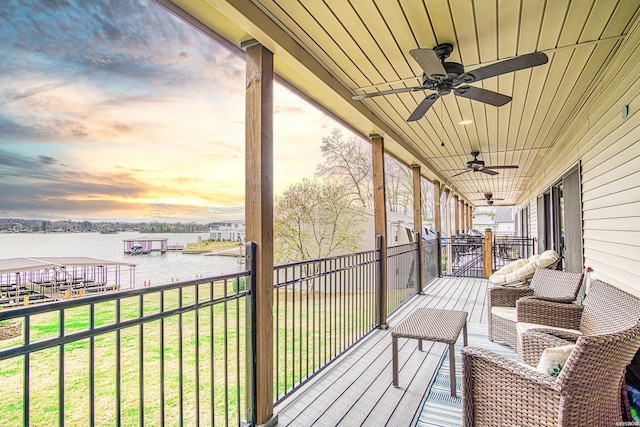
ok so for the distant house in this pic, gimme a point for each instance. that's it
(230, 230)
(504, 221)
(399, 229)
(499, 219)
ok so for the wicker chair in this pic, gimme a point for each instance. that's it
(547, 284)
(606, 310)
(498, 391)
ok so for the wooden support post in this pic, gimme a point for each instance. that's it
(463, 220)
(259, 217)
(487, 253)
(437, 221)
(380, 220)
(456, 212)
(417, 221)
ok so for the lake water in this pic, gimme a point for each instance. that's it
(155, 267)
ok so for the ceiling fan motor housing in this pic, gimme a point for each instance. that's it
(475, 164)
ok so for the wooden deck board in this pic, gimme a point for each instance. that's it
(356, 389)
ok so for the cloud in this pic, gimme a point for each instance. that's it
(118, 109)
(47, 160)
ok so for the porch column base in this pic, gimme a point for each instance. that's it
(273, 421)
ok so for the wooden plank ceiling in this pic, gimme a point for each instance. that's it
(365, 44)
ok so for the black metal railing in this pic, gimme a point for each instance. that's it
(402, 275)
(173, 354)
(183, 353)
(507, 249)
(430, 268)
(321, 308)
(462, 256)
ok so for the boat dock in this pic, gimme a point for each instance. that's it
(26, 281)
(146, 245)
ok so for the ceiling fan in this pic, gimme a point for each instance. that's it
(476, 165)
(445, 77)
(488, 197)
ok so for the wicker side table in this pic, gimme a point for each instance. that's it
(431, 324)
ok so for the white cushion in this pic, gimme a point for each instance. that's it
(553, 359)
(512, 276)
(533, 258)
(497, 277)
(546, 259)
(514, 266)
(500, 276)
(508, 313)
(526, 270)
(522, 327)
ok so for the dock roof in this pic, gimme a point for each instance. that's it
(17, 265)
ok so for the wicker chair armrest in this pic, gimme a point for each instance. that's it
(564, 300)
(550, 313)
(506, 297)
(534, 341)
(497, 391)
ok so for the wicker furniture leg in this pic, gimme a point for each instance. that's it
(452, 369)
(394, 345)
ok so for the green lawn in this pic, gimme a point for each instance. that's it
(310, 325)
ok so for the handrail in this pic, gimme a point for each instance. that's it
(322, 307)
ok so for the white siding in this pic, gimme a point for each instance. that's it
(533, 218)
(609, 148)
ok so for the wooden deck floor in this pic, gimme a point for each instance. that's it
(356, 390)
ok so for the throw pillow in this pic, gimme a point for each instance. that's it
(553, 359)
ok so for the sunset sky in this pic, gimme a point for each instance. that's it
(117, 110)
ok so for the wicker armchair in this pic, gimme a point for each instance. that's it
(545, 324)
(500, 392)
(549, 285)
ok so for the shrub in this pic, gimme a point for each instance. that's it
(237, 288)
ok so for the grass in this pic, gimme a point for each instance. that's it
(208, 246)
(195, 361)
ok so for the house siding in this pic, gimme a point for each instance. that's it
(608, 147)
(533, 218)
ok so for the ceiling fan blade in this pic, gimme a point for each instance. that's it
(422, 108)
(487, 171)
(483, 95)
(465, 171)
(387, 92)
(514, 64)
(429, 62)
(502, 167)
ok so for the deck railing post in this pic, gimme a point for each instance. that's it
(378, 279)
(251, 360)
(487, 253)
(439, 240)
(419, 283)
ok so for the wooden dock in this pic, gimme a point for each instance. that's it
(357, 390)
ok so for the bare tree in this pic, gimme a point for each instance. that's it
(316, 220)
(426, 195)
(349, 162)
(399, 185)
